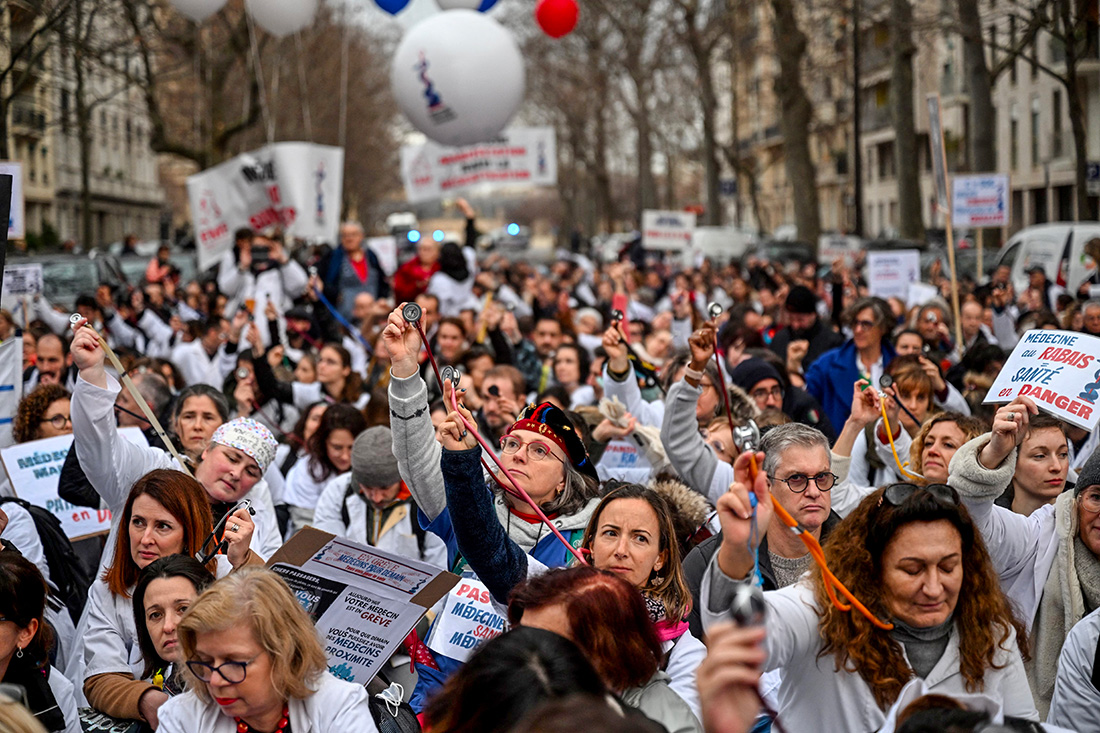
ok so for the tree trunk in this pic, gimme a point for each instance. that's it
(708, 101)
(83, 129)
(910, 221)
(605, 201)
(5, 153)
(794, 122)
(647, 184)
(982, 145)
(1074, 45)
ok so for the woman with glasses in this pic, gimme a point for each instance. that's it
(25, 641)
(254, 663)
(545, 456)
(1049, 561)
(866, 354)
(44, 413)
(915, 559)
(631, 534)
(167, 513)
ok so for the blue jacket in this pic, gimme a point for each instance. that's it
(831, 376)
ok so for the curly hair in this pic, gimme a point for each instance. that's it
(971, 428)
(32, 408)
(854, 551)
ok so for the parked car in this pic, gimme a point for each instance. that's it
(1058, 247)
(66, 276)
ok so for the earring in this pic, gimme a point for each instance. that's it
(19, 654)
(656, 580)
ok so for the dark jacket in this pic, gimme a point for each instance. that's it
(800, 406)
(696, 562)
(329, 270)
(821, 339)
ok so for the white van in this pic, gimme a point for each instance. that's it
(1058, 247)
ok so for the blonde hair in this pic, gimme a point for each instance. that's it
(969, 426)
(261, 599)
(14, 718)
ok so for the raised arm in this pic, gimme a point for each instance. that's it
(850, 490)
(621, 381)
(414, 443)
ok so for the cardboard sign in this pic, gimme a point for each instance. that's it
(363, 600)
(11, 386)
(294, 186)
(889, 273)
(979, 201)
(34, 469)
(467, 621)
(519, 156)
(667, 230)
(1059, 371)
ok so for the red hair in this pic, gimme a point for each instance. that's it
(608, 620)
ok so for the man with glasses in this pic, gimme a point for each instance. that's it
(866, 354)
(798, 465)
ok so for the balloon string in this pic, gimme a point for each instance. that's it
(516, 490)
(818, 555)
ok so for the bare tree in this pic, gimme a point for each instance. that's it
(903, 50)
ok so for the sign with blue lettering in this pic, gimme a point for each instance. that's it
(667, 230)
(980, 201)
(467, 621)
(364, 601)
(1059, 371)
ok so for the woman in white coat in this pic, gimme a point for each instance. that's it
(167, 513)
(1049, 561)
(254, 663)
(913, 556)
(24, 646)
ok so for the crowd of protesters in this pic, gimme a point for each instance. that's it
(732, 497)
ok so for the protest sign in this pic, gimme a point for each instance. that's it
(17, 227)
(11, 386)
(667, 230)
(23, 280)
(979, 201)
(523, 156)
(1058, 370)
(294, 186)
(889, 273)
(34, 469)
(467, 621)
(364, 601)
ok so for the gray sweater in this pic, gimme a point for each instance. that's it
(689, 454)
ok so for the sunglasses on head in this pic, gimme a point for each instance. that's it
(898, 494)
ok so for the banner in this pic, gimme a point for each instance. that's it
(364, 601)
(519, 156)
(889, 273)
(1058, 370)
(11, 386)
(17, 226)
(467, 621)
(667, 230)
(294, 186)
(34, 469)
(979, 201)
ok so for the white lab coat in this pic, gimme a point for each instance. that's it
(396, 535)
(197, 367)
(335, 706)
(113, 465)
(279, 285)
(814, 696)
(1076, 701)
(62, 691)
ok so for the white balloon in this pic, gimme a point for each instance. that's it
(458, 76)
(282, 17)
(459, 4)
(198, 10)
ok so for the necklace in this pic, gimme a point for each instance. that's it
(284, 722)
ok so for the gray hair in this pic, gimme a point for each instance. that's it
(1089, 305)
(782, 437)
(355, 225)
(154, 388)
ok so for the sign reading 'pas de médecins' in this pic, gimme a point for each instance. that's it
(1059, 371)
(296, 187)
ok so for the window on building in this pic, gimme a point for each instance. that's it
(1012, 45)
(992, 44)
(1056, 124)
(1035, 132)
(1035, 60)
(886, 165)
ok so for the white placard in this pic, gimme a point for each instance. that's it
(11, 386)
(363, 600)
(1058, 370)
(467, 621)
(667, 230)
(17, 221)
(890, 273)
(34, 469)
(980, 201)
(519, 156)
(295, 186)
(920, 293)
(23, 280)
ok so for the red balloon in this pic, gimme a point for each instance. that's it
(557, 18)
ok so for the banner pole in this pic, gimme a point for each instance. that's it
(981, 269)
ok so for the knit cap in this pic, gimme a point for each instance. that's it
(372, 461)
(249, 437)
(752, 372)
(1089, 475)
(801, 300)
